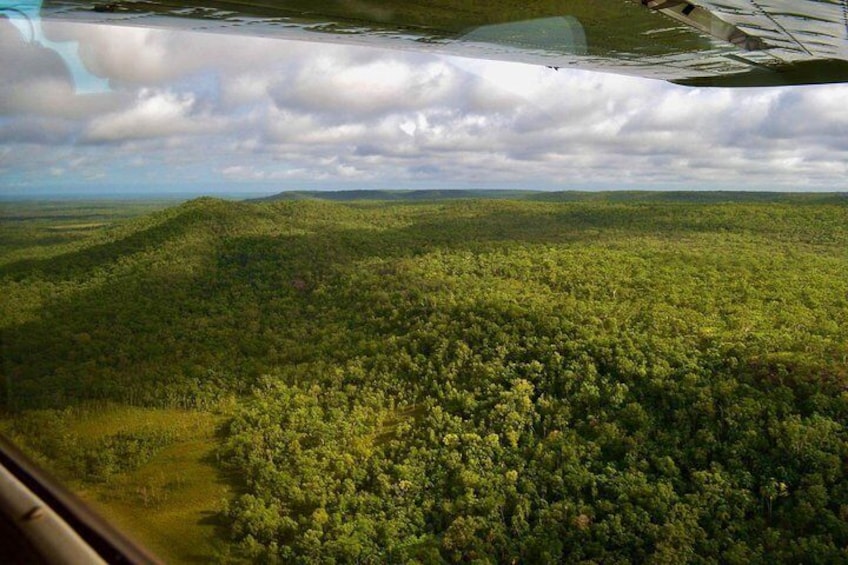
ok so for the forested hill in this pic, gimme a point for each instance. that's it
(700, 197)
(475, 380)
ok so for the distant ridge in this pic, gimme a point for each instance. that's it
(693, 196)
(396, 195)
(699, 197)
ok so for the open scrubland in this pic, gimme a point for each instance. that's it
(549, 378)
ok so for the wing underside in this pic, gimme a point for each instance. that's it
(708, 43)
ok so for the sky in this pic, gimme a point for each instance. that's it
(202, 113)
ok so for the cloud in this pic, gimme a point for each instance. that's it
(154, 114)
(35, 81)
(240, 111)
(38, 102)
(370, 88)
(23, 62)
(145, 57)
(815, 115)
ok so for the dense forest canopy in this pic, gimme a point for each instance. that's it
(497, 381)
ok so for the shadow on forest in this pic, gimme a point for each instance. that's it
(577, 222)
(236, 483)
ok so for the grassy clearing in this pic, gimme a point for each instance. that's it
(170, 502)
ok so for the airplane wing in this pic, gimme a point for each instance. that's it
(704, 43)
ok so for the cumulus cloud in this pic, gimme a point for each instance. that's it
(378, 87)
(136, 56)
(154, 114)
(245, 112)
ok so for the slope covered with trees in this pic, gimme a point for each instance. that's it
(498, 381)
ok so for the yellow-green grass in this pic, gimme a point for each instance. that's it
(169, 505)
